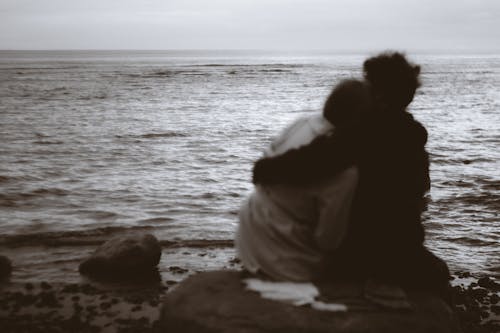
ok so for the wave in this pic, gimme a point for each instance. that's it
(198, 243)
(470, 241)
(6, 179)
(14, 199)
(91, 97)
(67, 238)
(254, 65)
(484, 199)
(162, 135)
(45, 142)
(165, 74)
(38, 192)
(95, 237)
(169, 134)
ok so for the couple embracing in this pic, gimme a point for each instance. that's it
(339, 196)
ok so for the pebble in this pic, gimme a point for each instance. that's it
(105, 305)
(177, 270)
(45, 286)
(136, 308)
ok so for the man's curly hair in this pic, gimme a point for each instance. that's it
(393, 79)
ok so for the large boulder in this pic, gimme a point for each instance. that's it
(5, 267)
(123, 258)
(218, 302)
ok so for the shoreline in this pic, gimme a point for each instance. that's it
(52, 296)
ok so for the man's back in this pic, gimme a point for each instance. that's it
(393, 164)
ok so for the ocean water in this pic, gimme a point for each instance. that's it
(96, 144)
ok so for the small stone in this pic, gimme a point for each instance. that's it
(488, 283)
(71, 288)
(5, 267)
(91, 308)
(105, 305)
(125, 258)
(48, 299)
(88, 289)
(479, 293)
(235, 261)
(45, 286)
(177, 270)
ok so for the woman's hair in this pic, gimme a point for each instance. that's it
(393, 79)
(348, 100)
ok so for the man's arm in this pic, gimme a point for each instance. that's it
(322, 158)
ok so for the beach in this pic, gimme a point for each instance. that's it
(109, 143)
(102, 307)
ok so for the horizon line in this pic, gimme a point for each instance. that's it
(252, 50)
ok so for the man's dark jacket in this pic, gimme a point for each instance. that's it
(385, 229)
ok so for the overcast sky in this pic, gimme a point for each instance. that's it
(455, 25)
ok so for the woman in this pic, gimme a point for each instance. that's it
(284, 231)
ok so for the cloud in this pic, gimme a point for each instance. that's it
(303, 24)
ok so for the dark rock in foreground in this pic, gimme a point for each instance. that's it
(125, 258)
(5, 267)
(218, 302)
(476, 306)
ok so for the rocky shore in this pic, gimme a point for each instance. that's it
(45, 307)
(476, 303)
(93, 305)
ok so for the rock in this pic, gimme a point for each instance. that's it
(217, 302)
(125, 258)
(488, 283)
(5, 267)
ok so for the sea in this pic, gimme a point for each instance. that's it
(97, 144)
